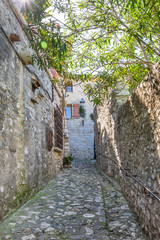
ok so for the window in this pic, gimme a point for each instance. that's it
(69, 87)
(58, 128)
(72, 111)
(69, 111)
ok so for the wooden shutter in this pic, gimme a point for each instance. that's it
(58, 127)
(76, 110)
(49, 138)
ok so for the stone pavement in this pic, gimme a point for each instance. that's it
(80, 204)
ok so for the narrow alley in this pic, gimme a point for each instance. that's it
(79, 204)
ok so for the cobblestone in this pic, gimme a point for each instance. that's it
(80, 204)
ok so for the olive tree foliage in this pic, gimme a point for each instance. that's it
(45, 35)
(112, 40)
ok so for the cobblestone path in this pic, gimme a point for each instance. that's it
(80, 204)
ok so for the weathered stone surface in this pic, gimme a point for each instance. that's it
(80, 130)
(128, 136)
(87, 219)
(25, 114)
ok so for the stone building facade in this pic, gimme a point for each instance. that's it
(128, 148)
(79, 122)
(29, 107)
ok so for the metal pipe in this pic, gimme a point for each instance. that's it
(130, 175)
(136, 180)
(150, 192)
(52, 93)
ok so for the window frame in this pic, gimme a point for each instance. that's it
(69, 105)
(69, 85)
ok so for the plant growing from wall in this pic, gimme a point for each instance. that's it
(81, 111)
(67, 162)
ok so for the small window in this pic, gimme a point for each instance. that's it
(69, 87)
(69, 111)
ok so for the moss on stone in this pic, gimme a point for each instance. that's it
(23, 194)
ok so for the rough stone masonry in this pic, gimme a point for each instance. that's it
(129, 136)
(80, 204)
(26, 117)
(80, 129)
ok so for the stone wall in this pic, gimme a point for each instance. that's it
(80, 130)
(128, 136)
(27, 158)
(67, 150)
